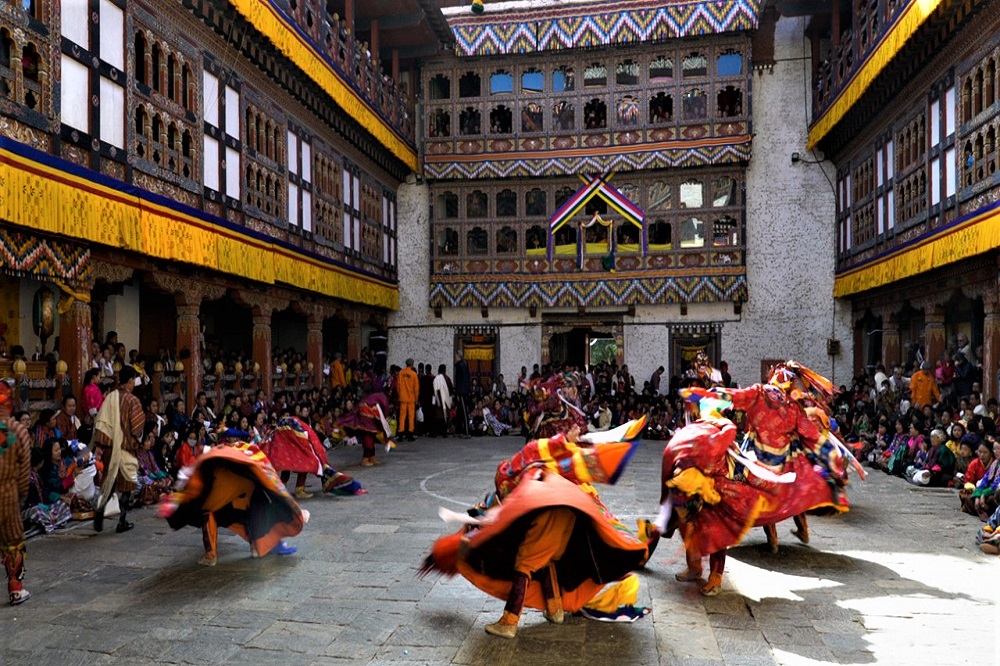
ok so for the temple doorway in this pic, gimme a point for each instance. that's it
(581, 344)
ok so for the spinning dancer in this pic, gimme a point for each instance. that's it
(545, 540)
(235, 486)
(717, 500)
(293, 446)
(367, 423)
(554, 407)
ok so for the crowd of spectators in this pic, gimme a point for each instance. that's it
(924, 423)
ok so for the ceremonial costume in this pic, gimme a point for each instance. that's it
(367, 422)
(293, 446)
(790, 463)
(553, 410)
(546, 541)
(15, 467)
(235, 486)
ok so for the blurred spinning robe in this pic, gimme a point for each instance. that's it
(550, 414)
(550, 520)
(238, 485)
(294, 446)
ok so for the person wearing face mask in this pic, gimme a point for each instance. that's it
(118, 434)
(188, 449)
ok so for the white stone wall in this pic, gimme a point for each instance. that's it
(790, 231)
(790, 253)
(414, 331)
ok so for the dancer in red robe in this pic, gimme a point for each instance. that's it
(293, 446)
(790, 464)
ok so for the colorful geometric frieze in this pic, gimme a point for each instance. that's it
(54, 196)
(592, 24)
(589, 292)
(731, 150)
(272, 22)
(976, 233)
(42, 258)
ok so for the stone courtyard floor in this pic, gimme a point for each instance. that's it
(898, 580)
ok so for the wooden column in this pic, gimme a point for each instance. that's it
(262, 306)
(75, 335)
(314, 345)
(991, 343)
(189, 340)
(890, 341)
(354, 338)
(188, 296)
(262, 347)
(935, 343)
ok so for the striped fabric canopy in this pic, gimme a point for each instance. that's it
(597, 186)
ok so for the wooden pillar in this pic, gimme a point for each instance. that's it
(859, 350)
(890, 341)
(314, 346)
(354, 339)
(835, 28)
(262, 347)
(991, 344)
(935, 343)
(74, 340)
(189, 339)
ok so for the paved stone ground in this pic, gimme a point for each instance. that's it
(897, 580)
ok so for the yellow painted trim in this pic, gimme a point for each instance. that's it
(890, 44)
(978, 235)
(44, 198)
(265, 18)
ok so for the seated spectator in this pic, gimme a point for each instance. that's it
(601, 421)
(957, 432)
(44, 428)
(55, 474)
(899, 443)
(495, 426)
(40, 515)
(920, 459)
(152, 479)
(189, 448)
(973, 475)
(67, 423)
(986, 494)
(939, 467)
(966, 454)
(177, 419)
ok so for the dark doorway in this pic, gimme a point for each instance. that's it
(569, 348)
(335, 337)
(228, 330)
